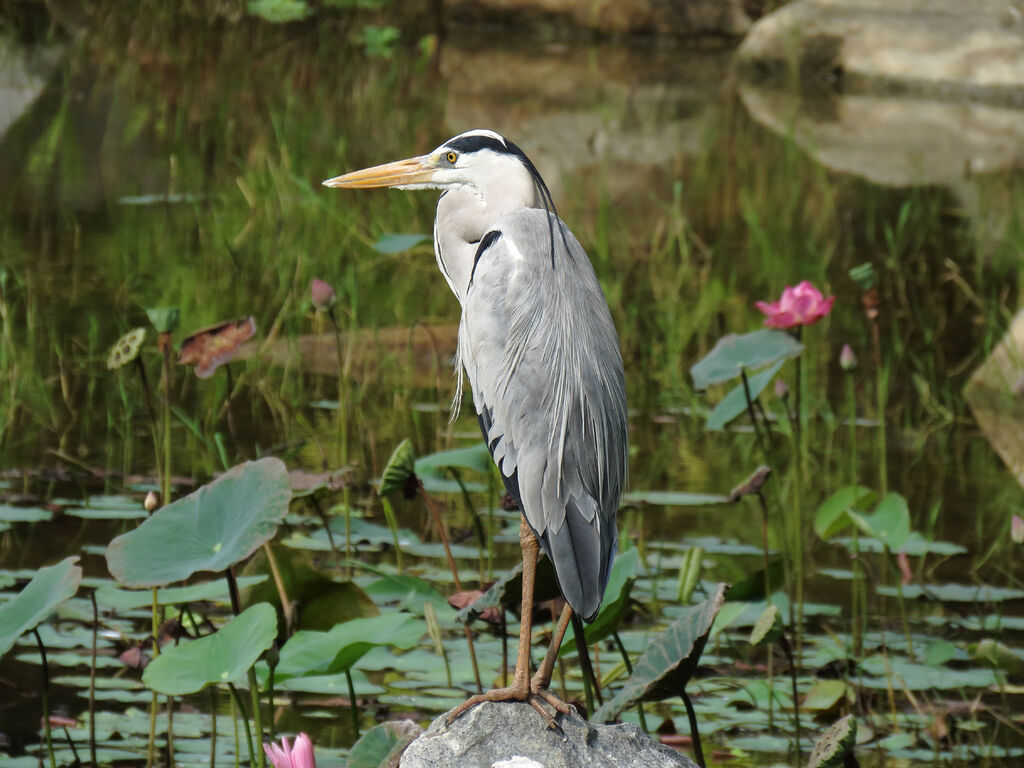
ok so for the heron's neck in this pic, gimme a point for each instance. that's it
(464, 216)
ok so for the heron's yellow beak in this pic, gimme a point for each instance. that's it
(401, 173)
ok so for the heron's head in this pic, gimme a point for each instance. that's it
(481, 161)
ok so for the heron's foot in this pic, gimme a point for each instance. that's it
(539, 690)
(514, 693)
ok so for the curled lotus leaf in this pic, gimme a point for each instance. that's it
(209, 348)
(126, 348)
(400, 469)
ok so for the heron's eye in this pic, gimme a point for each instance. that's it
(451, 157)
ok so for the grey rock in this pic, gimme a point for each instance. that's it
(513, 734)
(927, 45)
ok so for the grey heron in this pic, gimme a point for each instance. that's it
(537, 343)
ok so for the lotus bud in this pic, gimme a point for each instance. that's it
(781, 390)
(322, 294)
(1017, 529)
(152, 501)
(847, 359)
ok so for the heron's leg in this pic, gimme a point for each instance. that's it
(542, 679)
(520, 688)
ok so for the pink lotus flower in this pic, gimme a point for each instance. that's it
(322, 294)
(802, 305)
(298, 756)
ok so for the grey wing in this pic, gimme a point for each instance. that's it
(541, 353)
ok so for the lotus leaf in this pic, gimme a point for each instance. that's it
(669, 661)
(222, 657)
(734, 353)
(50, 587)
(208, 530)
(396, 243)
(399, 470)
(336, 650)
(674, 499)
(381, 745)
(735, 402)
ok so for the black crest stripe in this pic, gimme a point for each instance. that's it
(485, 242)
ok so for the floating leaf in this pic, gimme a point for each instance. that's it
(320, 653)
(835, 744)
(381, 746)
(163, 319)
(475, 457)
(126, 599)
(735, 402)
(222, 657)
(392, 244)
(674, 498)
(749, 351)
(939, 652)
(126, 348)
(399, 471)
(209, 348)
(208, 530)
(825, 695)
(12, 514)
(50, 587)
(409, 592)
(668, 663)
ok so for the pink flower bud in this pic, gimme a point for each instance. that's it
(1017, 529)
(781, 390)
(904, 563)
(322, 294)
(847, 360)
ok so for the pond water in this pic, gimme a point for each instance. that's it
(167, 159)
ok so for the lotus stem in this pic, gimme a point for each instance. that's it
(352, 701)
(788, 650)
(213, 726)
(92, 680)
(282, 593)
(170, 731)
(343, 369)
(389, 515)
(46, 698)
(257, 716)
(245, 723)
(698, 752)
(767, 601)
(154, 701)
(752, 413)
(150, 410)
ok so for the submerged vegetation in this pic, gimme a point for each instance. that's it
(324, 551)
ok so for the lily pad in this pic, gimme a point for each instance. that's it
(674, 498)
(126, 599)
(50, 587)
(475, 457)
(669, 661)
(889, 523)
(832, 516)
(12, 514)
(396, 243)
(319, 653)
(222, 657)
(735, 402)
(208, 530)
(748, 351)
